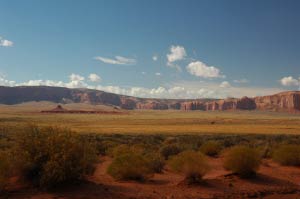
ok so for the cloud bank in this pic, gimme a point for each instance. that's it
(175, 90)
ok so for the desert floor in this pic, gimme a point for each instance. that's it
(272, 182)
(151, 122)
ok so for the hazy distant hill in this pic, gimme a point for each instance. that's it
(286, 101)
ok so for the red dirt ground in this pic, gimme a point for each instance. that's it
(272, 182)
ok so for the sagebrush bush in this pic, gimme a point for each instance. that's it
(50, 156)
(5, 168)
(266, 151)
(287, 155)
(191, 163)
(130, 166)
(169, 150)
(105, 147)
(211, 148)
(242, 160)
(156, 162)
(124, 149)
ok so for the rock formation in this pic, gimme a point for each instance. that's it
(285, 101)
(244, 103)
(60, 109)
(289, 101)
(128, 104)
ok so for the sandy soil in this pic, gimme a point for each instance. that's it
(272, 182)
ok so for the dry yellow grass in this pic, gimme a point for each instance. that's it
(154, 122)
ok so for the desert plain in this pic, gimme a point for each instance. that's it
(255, 128)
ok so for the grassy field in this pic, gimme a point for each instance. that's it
(153, 122)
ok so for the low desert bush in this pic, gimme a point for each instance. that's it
(169, 150)
(50, 156)
(130, 166)
(288, 155)
(266, 151)
(191, 163)
(5, 169)
(156, 162)
(124, 149)
(105, 147)
(211, 148)
(242, 160)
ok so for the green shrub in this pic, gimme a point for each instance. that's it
(169, 150)
(124, 149)
(211, 148)
(192, 164)
(156, 162)
(105, 147)
(50, 156)
(266, 151)
(130, 166)
(242, 160)
(288, 155)
(170, 140)
(5, 169)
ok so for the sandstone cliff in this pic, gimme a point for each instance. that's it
(244, 103)
(285, 101)
(289, 101)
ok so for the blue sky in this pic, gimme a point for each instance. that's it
(169, 49)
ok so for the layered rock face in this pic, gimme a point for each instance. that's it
(244, 103)
(152, 105)
(128, 104)
(285, 101)
(289, 101)
(193, 105)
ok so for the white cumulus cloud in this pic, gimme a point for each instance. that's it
(154, 58)
(290, 81)
(76, 81)
(94, 77)
(118, 60)
(158, 74)
(225, 84)
(76, 77)
(177, 53)
(200, 69)
(5, 42)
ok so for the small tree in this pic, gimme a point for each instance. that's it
(242, 160)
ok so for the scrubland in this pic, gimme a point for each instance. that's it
(148, 154)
